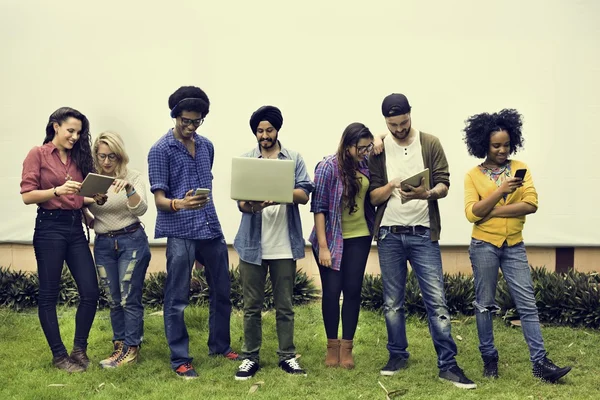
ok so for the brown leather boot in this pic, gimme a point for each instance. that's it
(333, 353)
(346, 360)
(67, 364)
(79, 355)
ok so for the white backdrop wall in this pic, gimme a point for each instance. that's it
(325, 64)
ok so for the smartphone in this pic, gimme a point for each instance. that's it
(201, 191)
(520, 173)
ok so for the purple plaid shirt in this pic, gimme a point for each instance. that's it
(327, 199)
(173, 169)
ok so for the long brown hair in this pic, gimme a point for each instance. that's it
(347, 165)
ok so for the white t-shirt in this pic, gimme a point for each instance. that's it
(403, 162)
(275, 235)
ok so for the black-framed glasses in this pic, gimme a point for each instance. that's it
(365, 149)
(111, 156)
(188, 122)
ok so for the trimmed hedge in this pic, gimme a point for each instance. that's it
(19, 290)
(571, 299)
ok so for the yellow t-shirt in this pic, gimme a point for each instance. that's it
(355, 224)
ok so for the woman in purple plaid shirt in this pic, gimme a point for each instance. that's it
(341, 237)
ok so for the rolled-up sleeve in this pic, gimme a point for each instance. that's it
(323, 179)
(530, 195)
(376, 171)
(140, 188)
(158, 169)
(471, 197)
(30, 177)
(302, 178)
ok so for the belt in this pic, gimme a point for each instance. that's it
(409, 230)
(128, 229)
(57, 212)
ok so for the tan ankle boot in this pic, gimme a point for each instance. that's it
(346, 360)
(333, 353)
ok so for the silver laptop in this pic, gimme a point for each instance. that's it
(260, 179)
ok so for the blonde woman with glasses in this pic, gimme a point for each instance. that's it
(121, 248)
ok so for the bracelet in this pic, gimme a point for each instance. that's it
(130, 194)
(175, 209)
(56, 194)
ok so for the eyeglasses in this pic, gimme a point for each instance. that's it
(188, 122)
(364, 149)
(111, 156)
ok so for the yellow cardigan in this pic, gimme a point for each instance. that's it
(496, 231)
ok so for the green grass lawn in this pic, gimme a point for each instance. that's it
(26, 371)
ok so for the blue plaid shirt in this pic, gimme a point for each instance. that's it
(173, 169)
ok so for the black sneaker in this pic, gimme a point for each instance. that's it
(291, 366)
(457, 377)
(490, 367)
(247, 370)
(186, 371)
(547, 371)
(393, 365)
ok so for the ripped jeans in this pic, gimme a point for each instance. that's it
(395, 249)
(121, 262)
(486, 260)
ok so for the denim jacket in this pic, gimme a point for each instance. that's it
(247, 242)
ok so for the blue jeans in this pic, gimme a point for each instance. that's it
(121, 262)
(486, 259)
(395, 249)
(212, 253)
(58, 238)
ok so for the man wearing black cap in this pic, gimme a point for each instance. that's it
(270, 238)
(179, 163)
(407, 228)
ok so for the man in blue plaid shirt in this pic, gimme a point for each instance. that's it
(179, 163)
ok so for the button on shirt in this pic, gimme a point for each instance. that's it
(172, 169)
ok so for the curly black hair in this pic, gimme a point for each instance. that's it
(81, 153)
(481, 126)
(189, 98)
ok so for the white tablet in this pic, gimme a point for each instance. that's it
(94, 184)
(415, 181)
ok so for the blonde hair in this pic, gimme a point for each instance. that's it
(115, 143)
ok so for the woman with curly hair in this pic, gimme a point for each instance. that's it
(499, 193)
(341, 237)
(52, 176)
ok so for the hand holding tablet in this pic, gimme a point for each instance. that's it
(95, 184)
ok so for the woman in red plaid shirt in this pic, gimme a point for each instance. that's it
(341, 237)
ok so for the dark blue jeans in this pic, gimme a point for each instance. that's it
(395, 249)
(486, 260)
(181, 254)
(122, 262)
(58, 238)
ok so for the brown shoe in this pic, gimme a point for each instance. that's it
(67, 364)
(346, 360)
(332, 359)
(117, 349)
(79, 356)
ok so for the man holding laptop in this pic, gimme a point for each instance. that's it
(179, 163)
(407, 228)
(270, 238)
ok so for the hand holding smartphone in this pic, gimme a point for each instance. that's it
(520, 173)
(200, 191)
